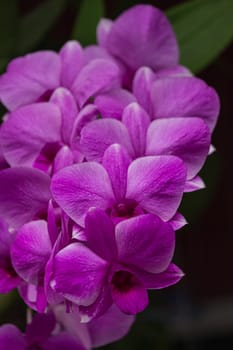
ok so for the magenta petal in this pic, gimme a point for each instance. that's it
(3, 162)
(86, 115)
(194, 184)
(164, 279)
(17, 90)
(131, 300)
(145, 242)
(116, 161)
(98, 76)
(24, 194)
(142, 36)
(69, 111)
(99, 307)
(175, 71)
(103, 29)
(28, 130)
(71, 55)
(64, 158)
(142, 83)
(186, 138)
(178, 221)
(79, 274)
(185, 97)
(99, 134)
(63, 341)
(157, 184)
(43, 67)
(24, 84)
(93, 52)
(112, 326)
(76, 190)
(11, 338)
(137, 121)
(112, 104)
(31, 250)
(100, 234)
(40, 328)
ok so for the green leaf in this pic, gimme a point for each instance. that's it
(8, 27)
(85, 25)
(35, 25)
(203, 28)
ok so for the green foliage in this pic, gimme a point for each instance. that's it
(88, 17)
(203, 28)
(34, 26)
(8, 27)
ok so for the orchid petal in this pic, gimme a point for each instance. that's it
(98, 76)
(31, 250)
(164, 279)
(103, 29)
(100, 234)
(143, 36)
(112, 104)
(23, 84)
(99, 134)
(76, 190)
(11, 338)
(112, 326)
(194, 184)
(116, 161)
(185, 97)
(186, 138)
(64, 158)
(146, 242)
(137, 121)
(78, 274)
(24, 194)
(28, 130)
(71, 55)
(157, 184)
(178, 221)
(69, 111)
(131, 300)
(142, 83)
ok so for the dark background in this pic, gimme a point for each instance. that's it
(198, 312)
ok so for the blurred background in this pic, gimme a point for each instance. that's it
(198, 312)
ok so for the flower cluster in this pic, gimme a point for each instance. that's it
(96, 150)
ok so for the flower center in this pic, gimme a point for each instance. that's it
(125, 209)
(123, 281)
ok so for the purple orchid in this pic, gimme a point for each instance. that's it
(62, 331)
(30, 252)
(8, 276)
(45, 135)
(152, 43)
(24, 195)
(152, 184)
(39, 335)
(176, 96)
(22, 84)
(96, 150)
(186, 138)
(109, 327)
(121, 262)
